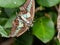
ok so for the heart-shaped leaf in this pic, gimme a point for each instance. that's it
(44, 29)
(48, 3)
(11, 3)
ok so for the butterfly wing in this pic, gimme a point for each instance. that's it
(14, 32)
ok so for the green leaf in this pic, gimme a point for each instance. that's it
(48, 3)
(8, 31)
(11, 3)
(44, 29)
(25, 39)
(3, 21)
(57, 42)
(9, 22)
(53, 14)
(10, 11)
(3, 32)
(3, 14)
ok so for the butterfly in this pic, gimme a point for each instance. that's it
(24, 19)
(58, 23)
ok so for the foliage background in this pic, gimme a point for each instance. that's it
(43, 32)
